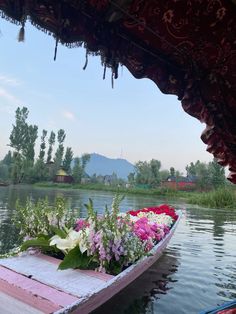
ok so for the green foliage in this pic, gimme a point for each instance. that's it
(42, 145)
(148, 172)
(22, 140)
(39, 218)
(4, 172)
(217, 174)
(59, 152)
(67, 160)
(79, 167)
(41, 242)
(75, 259)
(7, 160)
(220, 198)
(208, 176)
(51, 142)
(116, 204)
(77, 170)
(172, 171)
(20, 129)
(85, 159)
(131, 178)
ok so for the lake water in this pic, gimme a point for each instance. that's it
(196, 271)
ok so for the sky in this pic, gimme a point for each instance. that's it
(134, 120)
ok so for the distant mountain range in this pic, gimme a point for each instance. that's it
(102, 165)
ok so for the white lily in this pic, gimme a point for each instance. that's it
(73, 239)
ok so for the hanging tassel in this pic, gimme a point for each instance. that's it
(104, 71)
(112, 79)
(55, 51)
(21, 35)
(86, 60)
(115, 70)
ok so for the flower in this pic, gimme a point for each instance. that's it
(108, 242)
(73, 239)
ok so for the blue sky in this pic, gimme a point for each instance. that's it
(134, 120)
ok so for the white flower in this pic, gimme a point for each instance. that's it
(73, 239)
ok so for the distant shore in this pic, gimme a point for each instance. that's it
(220, 198)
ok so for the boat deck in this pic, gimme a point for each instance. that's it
(32, 284)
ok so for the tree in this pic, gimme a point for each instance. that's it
(172, 172)
(85, 159)
(51, 142)
(155, 166)
(7, 160)
(4, 173)
(42, 145)
(143, 172)
(16, 171)
(68, 159)
(217, 174)
(131, 178)
(77, 170)
(202, 174)
(191, 169)
(164, 174)
(22, 139)
(19, 131)
(60, 150)
(148, 172)
(79, 167)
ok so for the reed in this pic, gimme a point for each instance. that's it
(219, 198)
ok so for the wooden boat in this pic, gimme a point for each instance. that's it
(227, 308)
(32, 283)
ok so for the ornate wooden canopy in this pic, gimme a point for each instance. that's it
(187, 47)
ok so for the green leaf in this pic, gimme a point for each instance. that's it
(75, 259)
(61, 233)
(38, 242)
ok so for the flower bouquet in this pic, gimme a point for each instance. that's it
(108, 243)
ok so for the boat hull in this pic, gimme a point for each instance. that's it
(35, 281)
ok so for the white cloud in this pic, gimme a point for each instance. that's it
(68, 115)
(12, 101)
(9, 80)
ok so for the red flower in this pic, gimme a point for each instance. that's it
(162, 209)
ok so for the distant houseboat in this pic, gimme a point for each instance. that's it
(63, 177)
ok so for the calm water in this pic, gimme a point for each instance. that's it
(197, 270)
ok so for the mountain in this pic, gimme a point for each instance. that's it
(102, 165)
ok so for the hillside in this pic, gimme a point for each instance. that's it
(102, 165)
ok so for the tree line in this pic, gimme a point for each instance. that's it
(20, 165)
(204, 175)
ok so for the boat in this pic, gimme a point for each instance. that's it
(31, 283)
(226, 308)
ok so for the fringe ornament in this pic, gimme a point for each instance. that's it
(104, 71)
(86, 60)
(21, 35)
(55, 51)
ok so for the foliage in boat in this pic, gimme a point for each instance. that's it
(107, 243)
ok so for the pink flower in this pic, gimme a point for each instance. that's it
(81, 224)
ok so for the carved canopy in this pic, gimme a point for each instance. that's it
(187, 47)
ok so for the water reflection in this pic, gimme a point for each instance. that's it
(139, 296)
(197, 271)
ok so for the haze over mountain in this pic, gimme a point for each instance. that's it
(102, 165)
